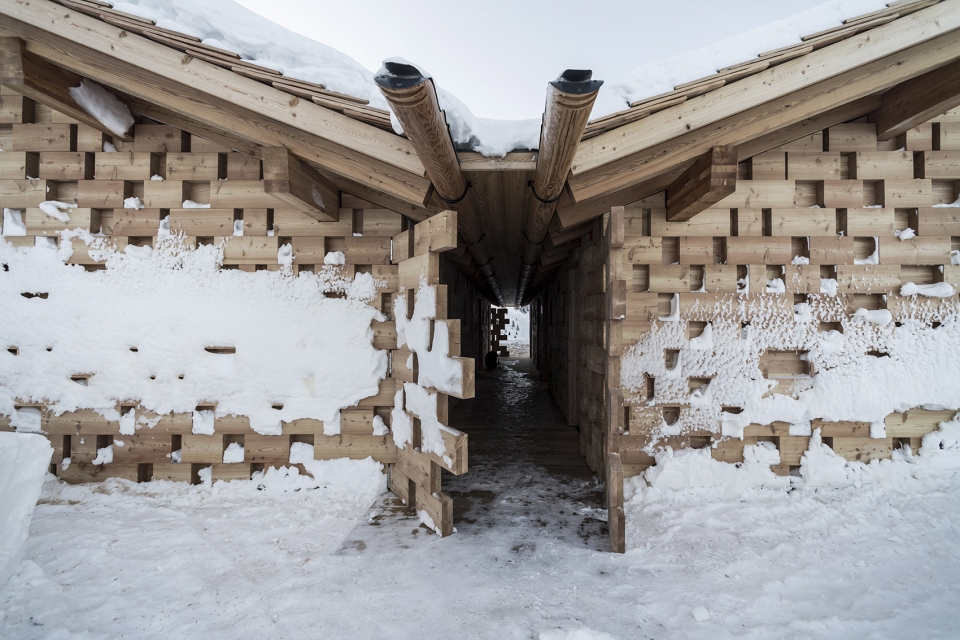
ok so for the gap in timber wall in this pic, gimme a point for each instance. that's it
(46, 155)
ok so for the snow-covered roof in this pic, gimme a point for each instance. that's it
(226, 34)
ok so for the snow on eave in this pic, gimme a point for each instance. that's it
(658, 85)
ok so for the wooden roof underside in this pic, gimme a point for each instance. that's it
(828, 78)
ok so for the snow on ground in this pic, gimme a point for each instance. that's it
(518, 332)
(876, 556)
(226, 24)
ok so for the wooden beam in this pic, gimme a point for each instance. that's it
(754, 122)
(364, 192)
(773, 84)
(45, 83)
(710, 179)
(156, 59)
(299, 185)
(914, 102)
(252, 127)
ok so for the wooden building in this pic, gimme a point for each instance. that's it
(798, 166)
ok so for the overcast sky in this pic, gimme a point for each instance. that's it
(481, 50)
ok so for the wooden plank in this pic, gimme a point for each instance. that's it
(918, 100)
(299, 185)
(425, 266)
(710, 178)
(64, 165)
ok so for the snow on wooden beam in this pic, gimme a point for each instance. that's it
(299, 185)
(710, 179)
(918, 100)
(45, 83)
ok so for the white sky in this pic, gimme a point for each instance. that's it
(480, 51)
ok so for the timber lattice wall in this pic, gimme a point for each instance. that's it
(48, 156)
(834, 198)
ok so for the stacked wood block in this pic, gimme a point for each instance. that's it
(48, 156)
(828, 205)
(554, 338)
(416, 476)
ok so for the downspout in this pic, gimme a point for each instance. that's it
(569, 101)
(413, 99)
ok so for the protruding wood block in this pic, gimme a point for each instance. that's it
(196, 166)
(125, 165)
(856, 136)
(202, 222)
(65, 165)
(840, 194)
(711, 178)
(160, 138)
(437, 233)
(881, 165)
(759, 250)
(44, 137)
(813, 166)
(803, 222)
(905, 193)
(20, 194)
(103, 194)
(294, 182)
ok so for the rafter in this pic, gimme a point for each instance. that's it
(918, 100)
(45, 83)
(710, 179)
(298, 185)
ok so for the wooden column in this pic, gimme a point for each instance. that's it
(616, 307)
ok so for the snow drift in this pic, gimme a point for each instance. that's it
(23, 464)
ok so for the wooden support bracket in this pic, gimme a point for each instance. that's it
(915, 101)
(294, 182)
(711, 178)
(45, 83)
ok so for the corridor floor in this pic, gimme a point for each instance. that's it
(526, 476)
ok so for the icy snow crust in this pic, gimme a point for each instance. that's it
(139, 330)
(921, 369)
(226, 24)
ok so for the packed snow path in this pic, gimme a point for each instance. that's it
(159, 560)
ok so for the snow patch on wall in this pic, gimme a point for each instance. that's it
(869, 370)
(139, 330)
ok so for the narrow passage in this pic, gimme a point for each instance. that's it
(527, 481)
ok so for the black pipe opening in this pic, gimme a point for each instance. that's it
(577, 81)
